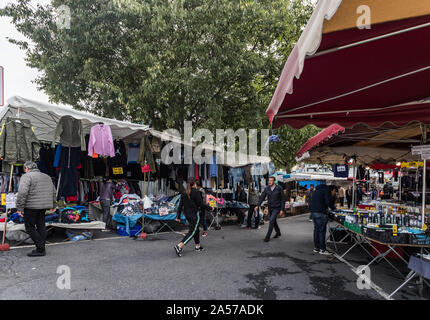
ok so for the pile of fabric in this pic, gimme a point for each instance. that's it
(161, 205)
(76, 214)
(129, 211)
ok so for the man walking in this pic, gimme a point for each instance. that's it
(309, 199)
(276, 203)
(36, 194)
(323, 198)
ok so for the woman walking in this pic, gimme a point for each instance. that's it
(190, 204)
(202, 213)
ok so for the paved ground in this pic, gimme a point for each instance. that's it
(237, 264)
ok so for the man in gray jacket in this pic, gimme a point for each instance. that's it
(36, 194)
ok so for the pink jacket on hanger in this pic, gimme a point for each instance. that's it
(101, 141)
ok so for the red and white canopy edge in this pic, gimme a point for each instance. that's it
(338, 73)
(387, 144)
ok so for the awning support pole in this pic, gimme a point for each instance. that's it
(424, 128)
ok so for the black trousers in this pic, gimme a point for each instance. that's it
(34, 221)
(273, 222)
(107, 218)
(193, 230)
(342, 201)
(250, 214)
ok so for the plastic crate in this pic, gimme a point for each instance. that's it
(353, 227)
(121, 230)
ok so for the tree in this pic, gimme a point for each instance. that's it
(284, 152)
(213, 62)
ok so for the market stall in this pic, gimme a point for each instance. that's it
(382, 102)
(80, 151)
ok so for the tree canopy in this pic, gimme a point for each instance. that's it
(213, 62)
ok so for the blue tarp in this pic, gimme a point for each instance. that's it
(307, 184)
(129, 221)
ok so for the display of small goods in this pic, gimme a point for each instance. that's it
(388, 223)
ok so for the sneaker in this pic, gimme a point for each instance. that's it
(325, 253)
(199, 249)
(277, 236)
(36, 253)
(266, 239)
(204, 234)
(178, 251)
(316, 250)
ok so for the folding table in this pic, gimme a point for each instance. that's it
(360, 240)
(164, 220)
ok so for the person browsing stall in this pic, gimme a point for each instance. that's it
(322, 199)
(36, 195)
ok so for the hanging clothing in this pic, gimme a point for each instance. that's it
(213, 168)
(119, 162)
(133, 153)
(69, 161)
(191, 170)
(145, 153)
(46, 160)
(340, 171)
(101, 141)
(18, 143)
(70, 132)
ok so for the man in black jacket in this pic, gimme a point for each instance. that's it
(276, 203)
(322, 198)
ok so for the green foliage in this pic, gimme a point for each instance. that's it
(213, 62)
(284, 153)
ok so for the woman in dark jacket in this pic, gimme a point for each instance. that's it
(190, 204)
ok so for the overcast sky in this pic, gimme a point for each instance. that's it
(17, 75)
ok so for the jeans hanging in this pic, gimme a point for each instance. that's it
(235, 176)
(257, 174)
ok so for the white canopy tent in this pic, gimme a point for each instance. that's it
(44, 118)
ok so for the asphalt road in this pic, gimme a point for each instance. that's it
(236, 264)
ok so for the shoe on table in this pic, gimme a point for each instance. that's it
(316, 250)
(178, 251)
(199, 249)
(277, 236)
(266, 239)
(36, 253)
(325, 253)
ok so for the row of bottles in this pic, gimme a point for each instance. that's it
(412, 220)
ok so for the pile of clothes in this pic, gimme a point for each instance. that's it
(76, 214)
(129, 211)
(161, 204)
